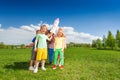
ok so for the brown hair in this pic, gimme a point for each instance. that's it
(37, 31)
(43, 26)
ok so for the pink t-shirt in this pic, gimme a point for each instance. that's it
(51, 45)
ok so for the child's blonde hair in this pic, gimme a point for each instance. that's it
(61, 30)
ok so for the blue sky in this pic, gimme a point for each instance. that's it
(93, 17)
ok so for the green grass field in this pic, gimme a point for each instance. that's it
(80, 64)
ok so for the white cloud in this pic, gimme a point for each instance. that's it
(16, 36)
(0, 25)
(1, 28)
(25, 33)
(78, 37)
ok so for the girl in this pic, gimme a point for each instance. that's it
(59, 46)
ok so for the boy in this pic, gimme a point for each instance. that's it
(41, 48)
(33, 55)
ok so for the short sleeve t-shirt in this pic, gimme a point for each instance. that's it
(33, 40)
(58, 42)
(42, 40)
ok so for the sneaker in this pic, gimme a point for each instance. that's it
(61, 67)
(35, 70)
(54, 67)
(31, 68)
(43, 68)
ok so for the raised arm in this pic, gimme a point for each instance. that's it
(63, 44)
(30, 45)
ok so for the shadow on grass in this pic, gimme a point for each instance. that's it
(22, 65)
(17, 66)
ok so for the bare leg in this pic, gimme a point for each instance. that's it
(36, 66)
(31, 62)
(43, 65)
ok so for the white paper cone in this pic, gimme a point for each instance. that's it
(55, 26)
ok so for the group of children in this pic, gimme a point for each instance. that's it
(47, 43)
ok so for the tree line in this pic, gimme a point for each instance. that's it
(5, 46)
(72, 44)
(110, 42)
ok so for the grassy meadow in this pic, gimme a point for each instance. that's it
(80, 64)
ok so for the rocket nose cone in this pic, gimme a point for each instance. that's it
(57, 19)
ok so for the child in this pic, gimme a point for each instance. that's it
(59, 63)
(59, 46)
(51, 48)
(33, 55)
(41, 48)
(52, 31)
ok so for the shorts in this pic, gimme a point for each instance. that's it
(33, 55)
(41, 54)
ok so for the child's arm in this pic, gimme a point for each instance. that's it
(54, 43)
(63, 44)
(35, 49)
(30, 45)
(49, 39)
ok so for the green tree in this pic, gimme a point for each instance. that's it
(22, 46)
(94, 43)
(71, 44)
(104, 41)
(2, 45)
(99, 43)
(118, 38)
(110, 40)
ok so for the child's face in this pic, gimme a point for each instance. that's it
(59, 34)
(43, 29)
